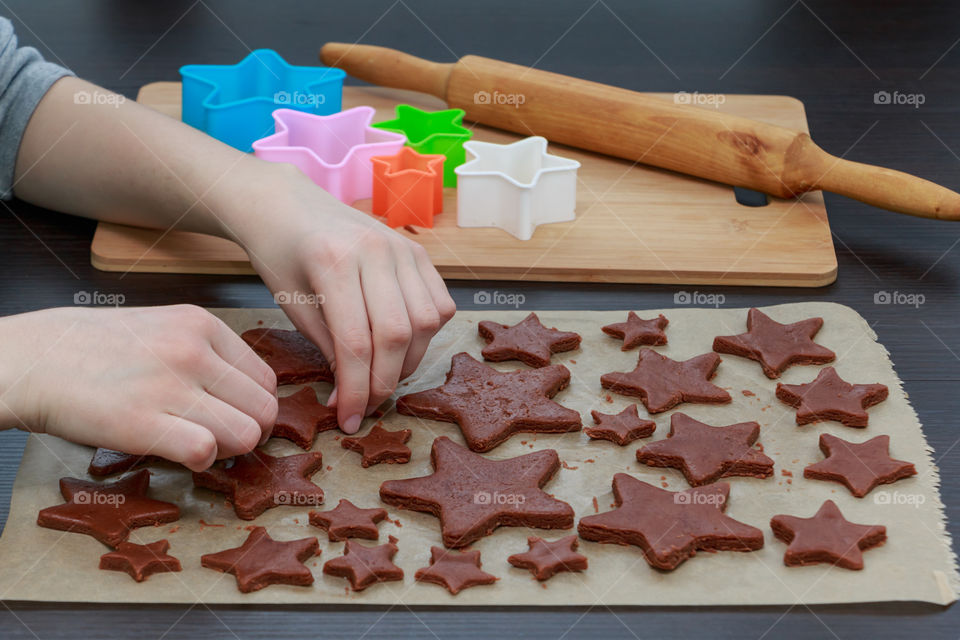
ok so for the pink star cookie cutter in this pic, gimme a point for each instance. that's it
(334, 151)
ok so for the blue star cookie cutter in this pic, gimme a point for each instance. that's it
(234, 103)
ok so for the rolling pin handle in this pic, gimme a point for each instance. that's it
(388, 67)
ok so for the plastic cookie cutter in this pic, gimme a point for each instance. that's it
(433, 132)
(334, 151)
(233, 103)
(408, 187)
(515, 187)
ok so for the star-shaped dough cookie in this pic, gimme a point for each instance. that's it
(261, 561)
(347, 520)
(830, 397)
(636, 331)
(107, 512)
(300, 417)
(670, 526)
(705, 453)
(527, 341)
(140, 560)
(662, 383)
(379, 446)
(827, 537)
(491, 405)
(291, 356)
(257, 481)
(364, 566)
(473, 495)
(858, 466)
(455, 570)
(547, 559)
(621, 428)
(776, 346)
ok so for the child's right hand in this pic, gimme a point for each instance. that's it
(169, 381)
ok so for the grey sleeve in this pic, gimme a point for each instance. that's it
(25, 78)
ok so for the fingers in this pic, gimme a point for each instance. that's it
(308, 319)
(249, 400)
(234, 431)
(390, 327)
(231, 348)
(178, 440)
(345, 316)
(445, 305)
(422, 311)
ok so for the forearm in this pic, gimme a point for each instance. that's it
(112, 159)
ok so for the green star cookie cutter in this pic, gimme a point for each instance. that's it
(433, 132)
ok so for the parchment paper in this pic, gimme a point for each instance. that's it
(916, 563)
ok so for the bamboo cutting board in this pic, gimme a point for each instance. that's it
(634, 223)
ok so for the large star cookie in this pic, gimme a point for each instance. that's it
(636, 331)
(291, 356)
(140, 561)
(527, 341)
(455, 570)
(705, 453)
(830, 397)
(379, 446)
(621, 428)
(546, 559)
(859, 466)
(491, 405)
(261, 561)
(827, 537)
(257, 481)
(662, 383)
(473, 495)
(106, 462)
(300, 417)
(347, 520)
(107, 511)
(776, 346)
(364, 566)
(670, 526)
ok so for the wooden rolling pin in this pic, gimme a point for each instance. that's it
(642, 128)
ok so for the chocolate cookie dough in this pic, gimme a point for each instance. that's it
(455, 570)
(547, 559)
(662, 383)
(300, 417)
(365, 566)
(776, 346)
(262, 561)
(830, 397)
(705, 453)
(490, 405)
(827, 538)
(473, 495)
(106, 462)
(140, 561)
(347, 520)
(621, 428)
(379, 446)
(290, 354)
(636, 331)
(858, 466)
(527, 341)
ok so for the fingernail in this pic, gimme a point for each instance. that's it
(352, 424)
(264, 439)
(332, 400)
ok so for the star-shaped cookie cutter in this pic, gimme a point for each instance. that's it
(433, 132)
(408, 187)
(334, 151)
(515, 187)
(233, 103)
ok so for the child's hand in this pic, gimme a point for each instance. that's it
(169, 381)
(378, 299)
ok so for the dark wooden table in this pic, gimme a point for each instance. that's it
(832, 56)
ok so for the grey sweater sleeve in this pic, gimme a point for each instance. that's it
(25, 78)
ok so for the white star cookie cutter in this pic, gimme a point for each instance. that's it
(515, 187)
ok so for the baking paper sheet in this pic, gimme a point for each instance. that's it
(916, 563)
